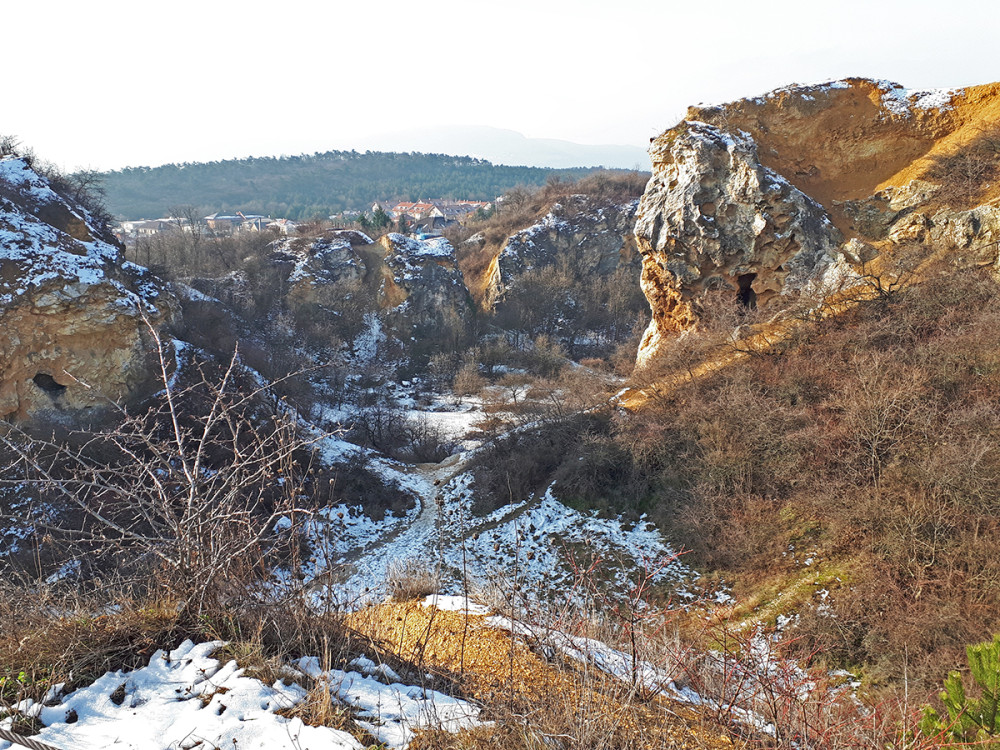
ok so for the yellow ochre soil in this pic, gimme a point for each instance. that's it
(839, 144)
(518, 687)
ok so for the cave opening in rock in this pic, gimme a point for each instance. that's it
(746, 296)
(48, 383)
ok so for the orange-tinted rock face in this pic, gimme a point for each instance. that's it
(73, 316)
(759, 195)
(841, 140)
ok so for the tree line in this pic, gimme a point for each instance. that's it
(311, 186)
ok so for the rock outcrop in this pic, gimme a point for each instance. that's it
(779, 194)
(713, 215)
(317, 265)
(74, 318)
(590, 237)
(326, 259)
(421, 281)
(416, 280)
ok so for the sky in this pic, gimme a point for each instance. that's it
(105, 84)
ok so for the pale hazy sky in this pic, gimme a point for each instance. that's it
(104, 84)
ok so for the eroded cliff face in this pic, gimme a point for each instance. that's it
(795, 191)
(421, 281)
(74, 318)
(589, 237)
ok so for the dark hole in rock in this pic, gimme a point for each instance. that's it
(747, 296)
(48, 383)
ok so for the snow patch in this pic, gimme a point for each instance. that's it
(179, 700)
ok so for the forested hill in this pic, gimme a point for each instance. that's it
(308, 186)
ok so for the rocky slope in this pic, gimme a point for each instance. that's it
(73, 315)
(421, 281)
(797, 190)
(591, 237)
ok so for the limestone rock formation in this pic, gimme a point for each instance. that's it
(316, 265)
(328, 258)
(73, 315)
(777, 194)
(591, 237)
(421, 280)
(713, 215)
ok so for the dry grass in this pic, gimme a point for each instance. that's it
(533, 701)
(39, 649)
(866, 443)
(411, 579)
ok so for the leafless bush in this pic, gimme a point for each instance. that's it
(965, 174)
(385, 426)
(411, 579)
(426, 442)
(191, 487)
(468, 381)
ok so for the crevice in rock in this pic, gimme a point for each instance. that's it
(48, 384)
(746, 296)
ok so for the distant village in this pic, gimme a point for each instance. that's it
(421, 218)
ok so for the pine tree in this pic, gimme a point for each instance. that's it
(380, 219)
(970, 719)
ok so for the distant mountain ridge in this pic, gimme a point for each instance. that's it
(316, 185)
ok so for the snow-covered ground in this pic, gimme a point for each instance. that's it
(187, 699)
(531, 544)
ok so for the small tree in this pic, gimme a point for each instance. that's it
(970, 719)
(380, 219)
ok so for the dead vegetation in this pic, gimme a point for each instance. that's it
(865, 443)
(967, 173)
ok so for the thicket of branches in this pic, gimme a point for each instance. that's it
(177, 498)
(866, 444)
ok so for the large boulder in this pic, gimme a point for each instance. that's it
(712, 216)
(76, 321)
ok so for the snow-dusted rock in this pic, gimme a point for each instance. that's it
(73, 314)
(592, 237)
(420, 280)
(325, 259)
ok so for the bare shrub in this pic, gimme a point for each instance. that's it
(411, 579)
(468, 381)
(425, 441)
(192, 486)
(966, 173)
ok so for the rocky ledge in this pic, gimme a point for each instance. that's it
(75, 318)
